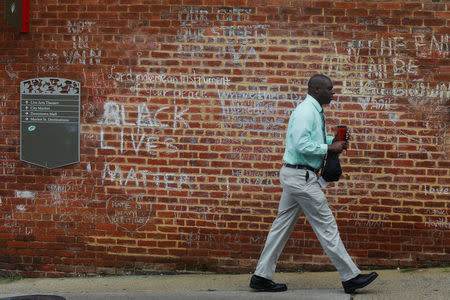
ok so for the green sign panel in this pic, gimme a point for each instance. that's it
(50, 122)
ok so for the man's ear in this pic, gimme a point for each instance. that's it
(316, 90)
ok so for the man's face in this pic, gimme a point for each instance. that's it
(325, 92)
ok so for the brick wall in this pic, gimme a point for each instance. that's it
(184, 107)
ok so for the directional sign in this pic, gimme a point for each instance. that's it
(50, 121)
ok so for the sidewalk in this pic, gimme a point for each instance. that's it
(391, 284)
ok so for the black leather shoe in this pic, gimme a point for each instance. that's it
(266, 285)
(358, 282)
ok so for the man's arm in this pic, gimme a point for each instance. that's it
(338, 146)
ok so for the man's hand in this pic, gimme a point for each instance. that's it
(338, 146)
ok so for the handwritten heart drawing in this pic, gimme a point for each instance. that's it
(129, 213)
(364, 102)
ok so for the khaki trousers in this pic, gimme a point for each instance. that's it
(300, 196)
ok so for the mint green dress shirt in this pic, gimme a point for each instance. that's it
(306, 140)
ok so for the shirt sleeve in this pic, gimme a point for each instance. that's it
(330, 140)
(302, 131)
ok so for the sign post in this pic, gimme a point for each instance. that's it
(50, 122)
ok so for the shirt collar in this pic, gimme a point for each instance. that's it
(314, 102)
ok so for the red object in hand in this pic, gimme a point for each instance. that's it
(342, 133)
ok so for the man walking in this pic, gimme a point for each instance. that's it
(306, 147)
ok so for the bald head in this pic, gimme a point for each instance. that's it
(316, 81)
(321, 88)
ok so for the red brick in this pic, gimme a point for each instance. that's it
(412, 22)
(15, 244)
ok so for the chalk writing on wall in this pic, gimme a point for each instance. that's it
(438, 223)
(231, 42)
(431, 190)
(257, 111)
(8, 167)
(200, 239)
(145, 178)
(129, 213)
(253, 177)
(114, 114)
(47, 61)
(141, 80)
(81, 52)
(375, 73)
(97, 86)
(25, 194)
(17, 227)
(394, 60)
(9, 69)
(141, 140)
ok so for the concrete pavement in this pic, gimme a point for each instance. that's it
(411, 284)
